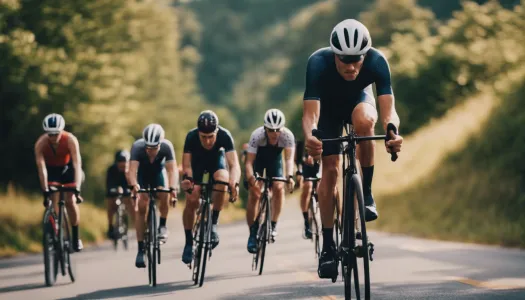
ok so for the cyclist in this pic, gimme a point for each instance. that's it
(306, 168)
(265, 152)
(339, 77)
(207, 148)
(151, 157)
(116, 182)
(58, 160)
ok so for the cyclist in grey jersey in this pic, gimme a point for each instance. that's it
(265, 152)
(151, 157)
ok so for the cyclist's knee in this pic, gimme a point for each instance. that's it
(221, 175)
(278, 187)
(364, 118)
(331, 167)
(307, 187)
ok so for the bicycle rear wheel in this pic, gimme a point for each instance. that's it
(207, 240)
(68, 249)
(48, 244)
(116, 228)
(314, 225)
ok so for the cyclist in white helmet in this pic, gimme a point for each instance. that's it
(265, 152)
(151, 157)
(338, 90)
(58, 160)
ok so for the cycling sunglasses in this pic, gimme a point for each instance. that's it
(273, 130)
(53, 134)
(348, 59)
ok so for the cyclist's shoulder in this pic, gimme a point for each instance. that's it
(375, 58)
(166, 143)
(224, 131)
(138, 144)
(322, 56)
(258, 132)
(112, 168)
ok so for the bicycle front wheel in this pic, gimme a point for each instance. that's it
(207, 240)
(48, 244)
(152, 257)
(362, 249)
(314, 225)
(265, 234)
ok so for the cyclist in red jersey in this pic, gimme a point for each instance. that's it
(58, 161)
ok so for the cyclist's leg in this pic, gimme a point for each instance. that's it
(111, 209)
(73, 211)
(364, 118)
(331, 171)
(163, 202)
(254, 194)
(275, 169)
(219, 194)
(308, 172)
(141, 209)
(188, 215)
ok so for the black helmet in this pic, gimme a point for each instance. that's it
(208, 122)
(122, 155)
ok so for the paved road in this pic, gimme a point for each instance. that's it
(404, 268)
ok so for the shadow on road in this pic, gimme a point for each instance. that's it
(438, 290)
(144, 290)
(26, 287)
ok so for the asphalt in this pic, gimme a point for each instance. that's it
(403, 268)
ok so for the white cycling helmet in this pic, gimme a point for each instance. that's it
(274, 119)
(153, 135)
(350, 37)
(53, 123)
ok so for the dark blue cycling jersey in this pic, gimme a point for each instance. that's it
(339, 97)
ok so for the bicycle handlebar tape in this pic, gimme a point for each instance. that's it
(391, 128)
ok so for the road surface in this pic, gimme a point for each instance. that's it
(404, 268)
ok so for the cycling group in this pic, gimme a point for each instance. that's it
(338, 91)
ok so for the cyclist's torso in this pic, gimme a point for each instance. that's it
(194, 146)
(115, 178)
(57, 155)
(138, 153)
(259, 143)
(324, 83)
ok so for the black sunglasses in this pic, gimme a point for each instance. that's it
(52, 134)
(348, 59)
(273, 130)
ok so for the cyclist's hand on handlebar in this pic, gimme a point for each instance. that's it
(234, 190)
(252, 182)
(173, 194)
(46, 198)
(186, 185)
(291, 184)
(79, 198)
(314, 147)
(394, 142)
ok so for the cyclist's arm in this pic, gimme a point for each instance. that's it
(385, 98)
(186, 164)
(312, 95)
(173, 174)
(171, 166)
(311, 109)
(233, 163)
(132, 172)
(109, 179)
(41, 164)
(250, 158)
(288, 159)
(74, 149)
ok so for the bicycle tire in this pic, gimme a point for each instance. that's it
(153, 244)
(68, 248)
(116, 229)
(266, 232)
(314, 225)
(348, 261)
(200, 243)
(207, 242)
(48, 244)
(61, 247)
(364, 252)
(195, 259)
